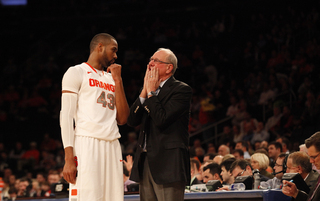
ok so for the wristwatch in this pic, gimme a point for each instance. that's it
(152, 93)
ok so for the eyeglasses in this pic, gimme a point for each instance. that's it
(314, 157)
(240, 173)
(158, 61)
(276, 164)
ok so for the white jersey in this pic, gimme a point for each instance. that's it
(96, 109)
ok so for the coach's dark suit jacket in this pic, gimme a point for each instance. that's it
(164, 119)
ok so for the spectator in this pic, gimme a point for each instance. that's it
(299, 162)
(273, 123)
(279, 169)
(211, 172)
(233, 108)
(237, 136)
(238, 154)
(126, 180)
(260, 162)
(225, 171)
(209, 156)
(274, 150)
(244, 147)
(30, 158)
(285, 144)
(290, 189)
(23, 188)
(48, 144)
(223, 150)
(53, 177)
(260, 134)
(217, 159)
(195, 171)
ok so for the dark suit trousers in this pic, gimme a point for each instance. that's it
(150, 191)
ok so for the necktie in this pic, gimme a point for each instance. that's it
(315, 189)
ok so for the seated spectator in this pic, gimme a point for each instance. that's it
(211, 172)
(260, 162)
(266, 95)
(237, 135)
(126, 180)
(241, 167)
(209, 156)
(274, 150)
(23, 188)
(195, 171)
(226, 175)
(35, 190)
(226, 157)
(303, 148)
(244, 147)
(233, 107)
(279, 169)
(45, 189)
(226, 135)
(260, 134)
(238, 154)
(53, 177)
(218, 159)
(30, 158)
(285, 144)
(299, 162)
(273, 123)
(223, 150)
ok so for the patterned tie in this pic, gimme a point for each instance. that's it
(315, 189)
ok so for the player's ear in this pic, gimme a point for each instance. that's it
(100, 47)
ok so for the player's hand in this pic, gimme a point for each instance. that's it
(289, 189)
(70, 172)
(115, 70)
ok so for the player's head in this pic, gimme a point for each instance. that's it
(105, 48)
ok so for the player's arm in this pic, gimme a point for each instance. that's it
(121, 100)
(68, 110)
(71, 83)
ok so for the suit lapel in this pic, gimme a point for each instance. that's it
(166, 88)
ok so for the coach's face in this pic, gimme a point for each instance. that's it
(109, 53)
(314, 156)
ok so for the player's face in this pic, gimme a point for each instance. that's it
(110, 53)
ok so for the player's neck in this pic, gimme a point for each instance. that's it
(95, 64)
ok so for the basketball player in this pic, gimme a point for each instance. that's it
(95, 100)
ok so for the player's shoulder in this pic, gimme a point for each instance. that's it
(78, 68)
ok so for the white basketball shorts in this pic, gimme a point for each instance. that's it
(100, 170)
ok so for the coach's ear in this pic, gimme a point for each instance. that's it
(169, 68)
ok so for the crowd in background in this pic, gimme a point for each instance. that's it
(254, 63)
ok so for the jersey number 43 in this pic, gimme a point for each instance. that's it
(102, 100)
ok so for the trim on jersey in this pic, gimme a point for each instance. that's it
(91, 67)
